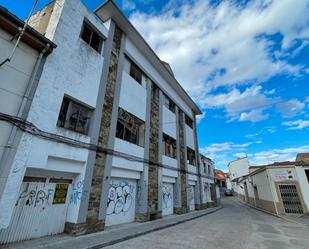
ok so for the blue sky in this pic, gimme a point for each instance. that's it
(244, 62)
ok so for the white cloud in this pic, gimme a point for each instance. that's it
(253, 116)
(276, 155)
(297, 124)
(228, 44)
(290, 108)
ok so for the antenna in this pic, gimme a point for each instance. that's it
(20, 35)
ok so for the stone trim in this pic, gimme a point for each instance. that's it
(101, 173)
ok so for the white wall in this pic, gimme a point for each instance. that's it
(190, 138)
(239, 168)
(133, 96)
(169, 122)
(169, 162)
(152, 73)
(304, 184)
(73, 69)
(15, 76)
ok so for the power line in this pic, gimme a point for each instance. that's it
(30, 128)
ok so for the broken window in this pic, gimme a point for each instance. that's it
(189, 121)
(74, 116)
(169, 103)
(92, 37)
(169, 146)
(191, 156)
(130, 128)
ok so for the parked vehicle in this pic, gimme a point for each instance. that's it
(228, 192)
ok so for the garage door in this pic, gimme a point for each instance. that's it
(121, 202)
(40, 211)
(191, 197)
(167, 198)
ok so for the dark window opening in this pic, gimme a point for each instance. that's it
(130, 128)
(91, 37)
(205, 168)
(169, 146)
(189, 121)
(191, 156)
(169, 103)
(307, 174)
(136, 73)
(74, 116)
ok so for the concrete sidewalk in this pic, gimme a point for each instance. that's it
(298, 219)
(110, 236)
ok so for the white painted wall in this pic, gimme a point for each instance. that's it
(133, 96)
(206, 191)
(169, 122)
(239, 168)
(130, 149)
(121, 201)
(190, 137)
(303, 182)
(140, 58)
(15, 76)
(73, 69)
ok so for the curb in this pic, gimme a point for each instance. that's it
(109, 243)
(270, 213)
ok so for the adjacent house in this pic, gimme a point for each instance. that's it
(112, 135)
(280, 187)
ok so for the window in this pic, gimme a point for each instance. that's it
(189, 121)
(307, 174)
(205, 168)
(169, 103)
(209, 169)
(74, 116)
(169, 146)
(135, 72)
(130, 128)
(190, 156)
(92, 37)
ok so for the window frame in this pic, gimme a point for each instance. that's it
(189, 122)
(95, 31)
(191, 153)
(166, 145)
(68, 114)
(138, 122)
(169, 104)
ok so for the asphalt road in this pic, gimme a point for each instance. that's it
(236, 226)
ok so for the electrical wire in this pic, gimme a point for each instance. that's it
(30, 128)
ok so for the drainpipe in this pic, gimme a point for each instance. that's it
(272, 192)
(23, 109)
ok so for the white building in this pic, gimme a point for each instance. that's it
(208, 187)
(280, 188)
(116, 137)
(238, 169)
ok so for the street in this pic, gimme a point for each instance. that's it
(236, 226)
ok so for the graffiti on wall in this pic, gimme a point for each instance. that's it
(78, 193)
(35, 197)
(120, 197)
(167, 197)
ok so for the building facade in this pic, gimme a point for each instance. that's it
(238, 169)
(115, 137)
(280, 188)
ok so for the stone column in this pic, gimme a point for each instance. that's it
(198, 189)
(153, 176)
(102, 168)
(182, 164)
(177, 188)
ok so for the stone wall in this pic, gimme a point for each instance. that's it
(93, 222)
(153, 175)
(182, 165)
